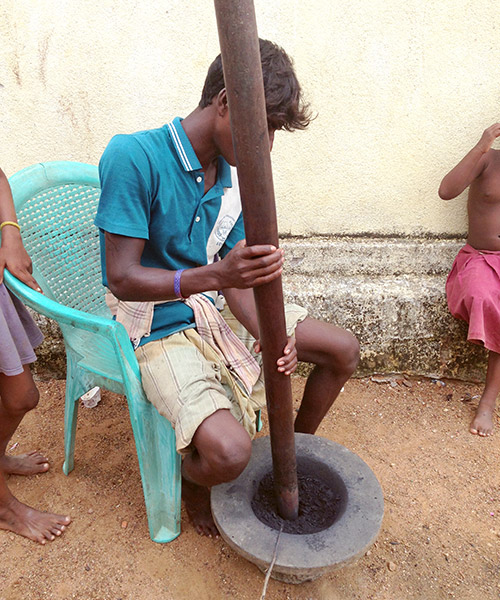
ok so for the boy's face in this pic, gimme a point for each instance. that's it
(224, 135)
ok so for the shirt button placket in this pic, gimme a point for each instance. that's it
(199, 179)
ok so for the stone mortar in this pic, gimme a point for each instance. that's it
(306, 557)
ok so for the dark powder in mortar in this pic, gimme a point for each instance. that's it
(318, 505)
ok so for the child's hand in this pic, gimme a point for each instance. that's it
(288, 362)
(14, 257)
(489, 136)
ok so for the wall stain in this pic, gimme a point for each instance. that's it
(43, 47)
(14, 62)
(67, 109)
(16, 69)
(77, 108)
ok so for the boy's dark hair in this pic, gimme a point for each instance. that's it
(285, 104)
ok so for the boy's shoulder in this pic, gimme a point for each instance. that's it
(147, 138)
(141, 148)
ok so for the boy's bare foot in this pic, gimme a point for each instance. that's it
(36, 525)
(197, 501)
(482, 424)
(24, 464)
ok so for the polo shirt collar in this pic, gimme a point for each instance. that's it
(188, 157)
(182, 145)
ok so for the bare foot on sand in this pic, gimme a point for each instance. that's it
(33, 524)
(482, 424)
(197, 501)
(24, 464)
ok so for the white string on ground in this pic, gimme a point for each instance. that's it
(270, 568)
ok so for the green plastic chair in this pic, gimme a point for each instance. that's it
(56, 203)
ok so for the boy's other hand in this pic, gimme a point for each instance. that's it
(286, 363)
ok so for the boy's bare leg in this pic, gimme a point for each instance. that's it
(482, 423)
(18, 395)
(217, 458)
(222, 450)
(335, 353)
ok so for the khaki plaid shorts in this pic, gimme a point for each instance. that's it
(187, 381)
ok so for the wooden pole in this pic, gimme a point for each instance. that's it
(245, 92)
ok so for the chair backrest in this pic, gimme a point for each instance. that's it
(56, 204)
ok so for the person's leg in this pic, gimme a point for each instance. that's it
(335, 354)
(183, 379)
(221, 450)
(18, 395)
(12, 410)
(482, 424)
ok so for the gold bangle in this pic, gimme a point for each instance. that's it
(13, 223)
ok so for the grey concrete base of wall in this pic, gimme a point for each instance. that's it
(390, 292)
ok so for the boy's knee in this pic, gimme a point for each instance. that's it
(345, 355)
(351, 354)
(229, 457)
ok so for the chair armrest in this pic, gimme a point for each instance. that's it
(74, 317)
(54, 310)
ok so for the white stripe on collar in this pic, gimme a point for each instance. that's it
(180, 148)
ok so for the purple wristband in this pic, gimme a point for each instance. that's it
(177, 284)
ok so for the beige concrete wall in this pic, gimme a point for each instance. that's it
(402, 88)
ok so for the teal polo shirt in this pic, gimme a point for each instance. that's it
(152, 188)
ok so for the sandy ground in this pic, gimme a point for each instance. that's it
(440, 536)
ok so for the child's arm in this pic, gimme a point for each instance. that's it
(13, 256)
(470, 167)
(242, 305)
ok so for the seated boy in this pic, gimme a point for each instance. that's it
(172, 234)
(473, 285)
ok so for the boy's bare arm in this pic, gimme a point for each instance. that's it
(470, 167)
(243, 267)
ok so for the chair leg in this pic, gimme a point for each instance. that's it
(160, 467)
(258, 421)
(74, 389)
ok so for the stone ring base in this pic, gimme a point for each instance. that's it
(303, 557)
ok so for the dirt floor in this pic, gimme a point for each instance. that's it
(440, 536)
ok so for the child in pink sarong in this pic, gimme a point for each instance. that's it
(473, 285)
